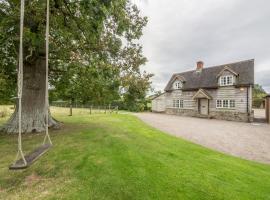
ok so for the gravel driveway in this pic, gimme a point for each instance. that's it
(249, 141)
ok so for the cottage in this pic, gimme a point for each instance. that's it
(220, 92)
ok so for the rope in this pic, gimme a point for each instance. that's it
(47, 136)
(20, 85)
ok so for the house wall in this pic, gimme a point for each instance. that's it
(159, 103)
(242, 97)
(243, 104)
(230, 93)
(241, 112)
(189, 104)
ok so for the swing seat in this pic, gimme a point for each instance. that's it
(31, 157)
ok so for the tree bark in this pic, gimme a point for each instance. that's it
(33, 101)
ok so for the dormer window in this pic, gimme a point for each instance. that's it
(226, 80)
(178, 85)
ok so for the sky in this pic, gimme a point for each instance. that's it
(181, 32)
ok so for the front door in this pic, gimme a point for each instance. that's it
(204, 106)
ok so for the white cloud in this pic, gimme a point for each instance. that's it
(180, 32)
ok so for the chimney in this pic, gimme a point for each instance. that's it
(199, 66)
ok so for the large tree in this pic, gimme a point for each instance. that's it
(86, 37)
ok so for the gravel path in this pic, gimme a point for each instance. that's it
(249, 141)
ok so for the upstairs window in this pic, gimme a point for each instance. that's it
(178, 85)
(226, 80)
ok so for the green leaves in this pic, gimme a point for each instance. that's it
(258, 96)
(93, 45)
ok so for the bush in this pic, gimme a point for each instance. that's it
(120, 103)
(134, 106)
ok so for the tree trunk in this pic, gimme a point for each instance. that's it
(33, 101)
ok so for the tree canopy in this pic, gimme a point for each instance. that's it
(94, 48)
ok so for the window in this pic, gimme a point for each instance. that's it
(181, 104)
(225, 103)
(229, 80)
(226, 80)
(219, 103)
(178, 85)
(232, 103)
(223, 80)
(178, 103)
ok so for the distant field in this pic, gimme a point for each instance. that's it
(8, 109)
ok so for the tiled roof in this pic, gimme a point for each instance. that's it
(207, 78)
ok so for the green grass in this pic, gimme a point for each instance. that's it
(119, 157)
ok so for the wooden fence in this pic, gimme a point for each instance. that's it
(84, 109)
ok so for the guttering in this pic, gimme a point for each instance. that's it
(248, 100)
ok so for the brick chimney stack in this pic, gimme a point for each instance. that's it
(200, 65)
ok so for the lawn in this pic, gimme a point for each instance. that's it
(117, 156)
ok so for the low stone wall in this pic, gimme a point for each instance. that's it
(232, 116)
(222, 115)
(154, 111)
(184, 112)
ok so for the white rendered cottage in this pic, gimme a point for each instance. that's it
(221, 92)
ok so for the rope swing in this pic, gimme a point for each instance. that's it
(22, 161)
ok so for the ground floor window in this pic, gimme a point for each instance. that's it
(219, 103)
(225, 103)
(178, 103)
(181, 104)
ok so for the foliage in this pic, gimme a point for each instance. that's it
(93, 46)
(258, 96)
(119, 157)
(136, 88)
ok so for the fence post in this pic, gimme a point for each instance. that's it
(90, 109)
(70, 109)
(116, 109)
(105, 109)
(109, 108)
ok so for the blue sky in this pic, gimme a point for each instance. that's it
(181, 32)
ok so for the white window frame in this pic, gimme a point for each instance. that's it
(225, 103)
(226, 80)
(232, 103)
(175, 103)
(219, 103)
(178, 85)
(178, 103)
(181, 103)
